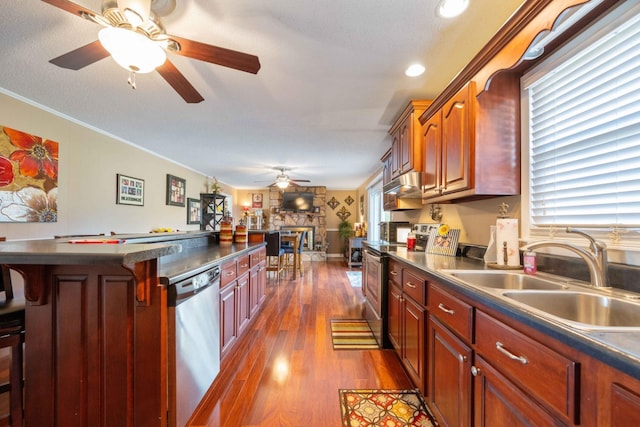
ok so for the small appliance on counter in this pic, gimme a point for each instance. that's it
(394, 231)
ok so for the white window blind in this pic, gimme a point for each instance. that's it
(584, 129)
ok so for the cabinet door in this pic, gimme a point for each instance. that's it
(393, 317)
(432, 143)
(396, 149)
(244, 301)
(254, 289)
(228, 331)
(625, 406)
(499, 403)
(450, 391)
(405, 150)
(414, 335)
(457, 129)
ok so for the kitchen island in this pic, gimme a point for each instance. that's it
(96, 351)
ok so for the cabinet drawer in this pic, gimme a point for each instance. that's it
(395, 273)
(456, 314)
(228, 273)
(546, 375)
(415, 286)
(254, 257)
(243, 264)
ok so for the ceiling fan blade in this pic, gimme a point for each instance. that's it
(81, 57)
(70, 7)
(179, 83)
(299, 180)
(218, 55)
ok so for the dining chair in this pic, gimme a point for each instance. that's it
(12, 336)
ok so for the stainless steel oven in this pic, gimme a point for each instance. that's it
(374, 288)
(194, 342)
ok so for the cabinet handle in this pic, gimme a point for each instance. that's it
(445, 309)
(393, 273)
(510, 355)
(244, 265)
(230, 273)
(475, 371)
(411, 285)
(462, 358)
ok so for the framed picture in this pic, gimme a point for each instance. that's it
(257, 200)
(176, 190)
(194, 211)
(129, 191)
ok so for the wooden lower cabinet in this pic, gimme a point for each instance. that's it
(450, 391)
(499, 403)
(243, 289)
(407, 320)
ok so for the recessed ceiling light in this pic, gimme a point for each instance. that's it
(414, 70)
(452, 8)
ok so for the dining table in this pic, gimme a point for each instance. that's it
(294, 240)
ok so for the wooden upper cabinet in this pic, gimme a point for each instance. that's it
(471, 146)
(406, 146)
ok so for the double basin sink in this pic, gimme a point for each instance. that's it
(576, 305)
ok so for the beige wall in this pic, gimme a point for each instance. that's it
(88, 164)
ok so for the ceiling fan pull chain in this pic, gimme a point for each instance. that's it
(132, 79)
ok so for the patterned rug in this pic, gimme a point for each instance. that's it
(352, 334)
(355, 278)
(384, 408)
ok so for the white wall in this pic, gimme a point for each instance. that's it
(88, 164)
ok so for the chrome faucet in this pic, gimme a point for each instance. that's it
(595, 257)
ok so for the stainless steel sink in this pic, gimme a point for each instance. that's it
(504, 280)
(583, 310)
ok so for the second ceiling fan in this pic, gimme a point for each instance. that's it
(282, 180)
(136, 39)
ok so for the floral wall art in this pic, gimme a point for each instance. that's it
(28, 177)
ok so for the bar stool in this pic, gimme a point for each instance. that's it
(293, 255)
(275, 253)
(12, 336)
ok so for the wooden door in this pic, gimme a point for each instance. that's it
(413, 320)
(449, 390)
(393, 317)
(457, 134)
(499, 403)
(432, 144)
(228, 310)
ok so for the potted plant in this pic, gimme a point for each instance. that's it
(345, 230)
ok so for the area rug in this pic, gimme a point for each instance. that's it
(355, 278)
(352, 334)
(384, 408)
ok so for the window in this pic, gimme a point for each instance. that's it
(376, 213)
(581, 110)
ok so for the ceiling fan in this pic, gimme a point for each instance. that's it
(282, 180)
(136, 39)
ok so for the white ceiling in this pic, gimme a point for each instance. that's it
(331, 83)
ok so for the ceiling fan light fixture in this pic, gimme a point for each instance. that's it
(136, 11)
(131, 50)
(282, 184)
(452, 8)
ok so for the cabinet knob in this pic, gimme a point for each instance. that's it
(475, 371)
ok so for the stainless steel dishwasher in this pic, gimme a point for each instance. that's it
(194, 342)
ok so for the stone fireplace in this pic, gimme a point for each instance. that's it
(307, 245)
(313, 222)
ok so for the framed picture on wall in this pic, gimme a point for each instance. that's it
(256, 199)
(129, 190)
(194, 211)
(176, 191)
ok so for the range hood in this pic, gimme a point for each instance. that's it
(406, 186)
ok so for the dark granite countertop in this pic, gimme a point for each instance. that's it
(194, 260)
(61, 252)
(620, 350)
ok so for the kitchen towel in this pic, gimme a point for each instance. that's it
(507, 249)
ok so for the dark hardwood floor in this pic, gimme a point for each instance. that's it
(284, 371)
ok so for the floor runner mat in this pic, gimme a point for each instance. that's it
(352, 334)
(385, 408)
